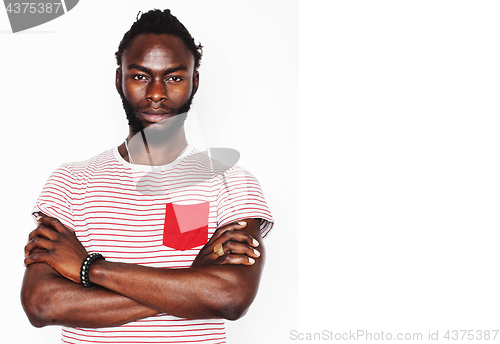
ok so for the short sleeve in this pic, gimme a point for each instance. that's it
(56, 198)
(240, 196)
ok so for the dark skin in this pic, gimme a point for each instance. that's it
(157, 76)
(213, 286)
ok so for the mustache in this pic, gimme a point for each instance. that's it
(136, 125)
(161, 107)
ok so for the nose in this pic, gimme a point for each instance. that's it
(157, 91)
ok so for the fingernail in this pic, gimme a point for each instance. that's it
(255, 243)
(36, 215)
(257, 253)
(242, 223)
(251, 260)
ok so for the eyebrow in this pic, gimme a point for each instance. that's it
(149, 71)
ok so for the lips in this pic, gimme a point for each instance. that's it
(155, 115)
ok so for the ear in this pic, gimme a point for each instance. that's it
(118, 79)
(196, 82)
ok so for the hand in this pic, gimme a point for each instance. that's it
(238, 246)
(54, 244)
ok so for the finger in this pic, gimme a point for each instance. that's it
(229, 227)
(235, 259)
(36, 257)
(232, 247)
(234, 242)
(27, 253)
(241, 237)
(52, 222)
(37, 215)
(38, 242)
(44, 232)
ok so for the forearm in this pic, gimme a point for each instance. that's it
(215, 291)
(202, 291)
(207, 291)
(50, 299)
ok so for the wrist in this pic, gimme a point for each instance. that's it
(97, 271)
(90, 260)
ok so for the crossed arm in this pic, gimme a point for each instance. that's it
(213, 287)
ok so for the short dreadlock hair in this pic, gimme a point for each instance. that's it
(159, 22)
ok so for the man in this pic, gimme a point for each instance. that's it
(179, 235)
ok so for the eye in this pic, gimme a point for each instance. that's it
(139, 77)
(174, 78)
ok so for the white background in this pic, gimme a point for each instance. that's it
(399, 173)
(399, 230)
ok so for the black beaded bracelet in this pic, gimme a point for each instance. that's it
(84, 271)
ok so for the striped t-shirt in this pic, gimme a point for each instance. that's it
(158, 216)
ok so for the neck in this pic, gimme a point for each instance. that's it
(153, 147)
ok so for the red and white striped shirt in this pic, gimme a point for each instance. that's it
(154, 216)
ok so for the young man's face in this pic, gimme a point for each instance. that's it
(157, 80)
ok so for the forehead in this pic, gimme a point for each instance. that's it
(158, 52)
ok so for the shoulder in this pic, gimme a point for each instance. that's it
(239, 175)
(240, 197)
(236, 171)
(106, 157)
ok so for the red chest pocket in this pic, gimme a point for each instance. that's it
(186, 226)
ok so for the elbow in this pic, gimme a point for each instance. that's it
(35, 320)
(234, 313)
(235, 307)
(33, 311)
(237, 297)
(36, 308)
